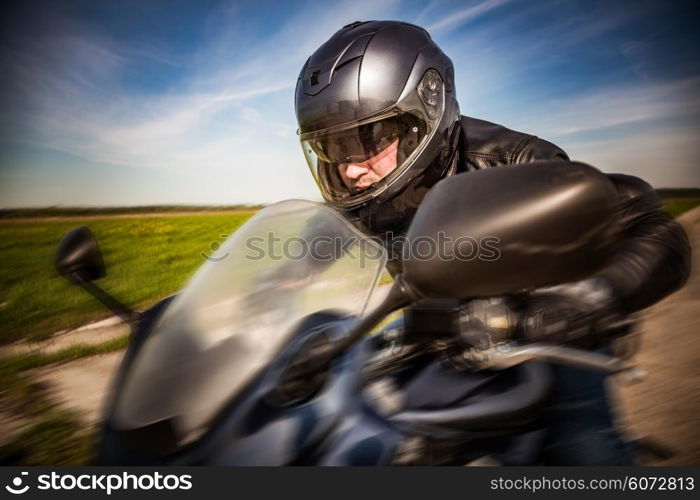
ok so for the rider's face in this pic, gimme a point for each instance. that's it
(361, 175)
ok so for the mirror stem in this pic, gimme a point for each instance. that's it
(124, 312)
(397, 298)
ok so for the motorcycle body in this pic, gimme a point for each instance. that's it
(346, 422)
(265, 356)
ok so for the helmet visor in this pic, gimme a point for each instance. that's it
(357, 160)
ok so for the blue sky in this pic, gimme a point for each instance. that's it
(155, 102)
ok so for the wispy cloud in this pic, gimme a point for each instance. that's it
(217, 111)
(648, 129)
(175, 129)
(611, 106)
(465, 15)
(663, 157)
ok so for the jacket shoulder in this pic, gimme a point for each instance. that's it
(488, 144)
(633, 190)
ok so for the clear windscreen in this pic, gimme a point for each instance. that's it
(240, 309)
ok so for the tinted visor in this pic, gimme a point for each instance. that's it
(330, 154)
(366, 141)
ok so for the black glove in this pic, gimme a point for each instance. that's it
(582, 314)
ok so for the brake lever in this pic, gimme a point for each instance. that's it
(510, 354)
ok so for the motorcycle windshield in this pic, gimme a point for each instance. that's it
(240, 309)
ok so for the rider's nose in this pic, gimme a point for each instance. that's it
(354, 171)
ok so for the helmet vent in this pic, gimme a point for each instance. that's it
(353, 25)
(314, 78)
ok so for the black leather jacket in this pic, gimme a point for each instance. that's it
(654, 260)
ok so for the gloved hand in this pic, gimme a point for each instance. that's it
(581, 313)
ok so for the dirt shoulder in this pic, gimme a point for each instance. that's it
(666, 405)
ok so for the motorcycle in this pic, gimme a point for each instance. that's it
(268, 357)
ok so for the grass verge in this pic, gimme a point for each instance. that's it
(58, 437)
(51, 434)
(147, 259)
(16, 363)
(678, 206)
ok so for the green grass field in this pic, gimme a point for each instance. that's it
(147, 258)
(677, 206)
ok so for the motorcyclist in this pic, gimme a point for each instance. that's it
(380, 124)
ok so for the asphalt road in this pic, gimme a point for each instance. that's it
(666, 406)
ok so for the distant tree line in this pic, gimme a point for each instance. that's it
(668, 193)
(57, 211)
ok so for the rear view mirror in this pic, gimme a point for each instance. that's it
(544, 224)
(78, 256)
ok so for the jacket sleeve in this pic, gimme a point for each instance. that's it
(535, 149)
(654, 257)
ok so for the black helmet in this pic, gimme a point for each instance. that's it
(378, 96)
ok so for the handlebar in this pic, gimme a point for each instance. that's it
(507, 355)
(485, 346)
(495, 341)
